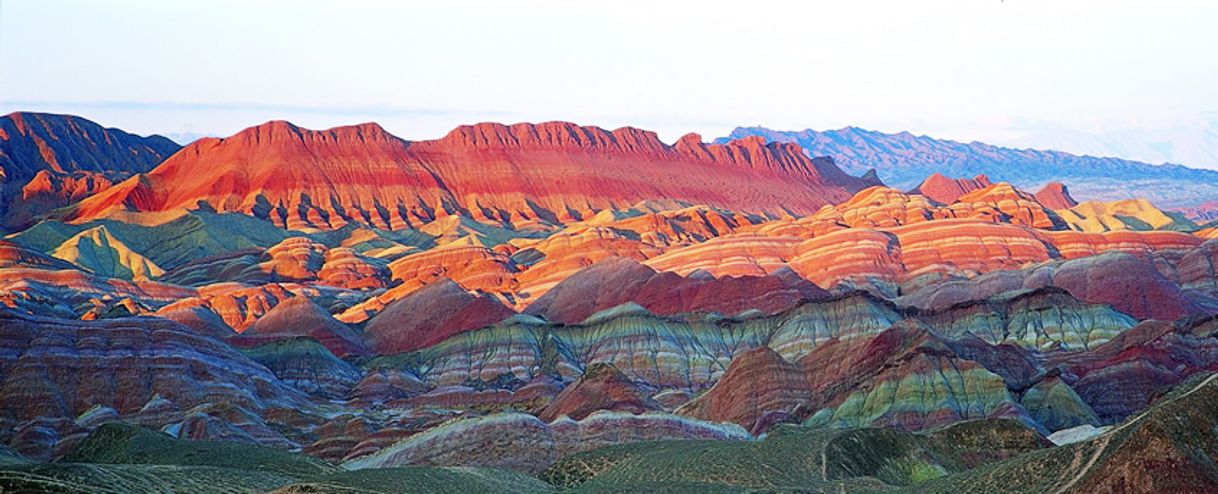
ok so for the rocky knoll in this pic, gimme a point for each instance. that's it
(527, 174)
(297, 317)
(905, 377)
(100, 252)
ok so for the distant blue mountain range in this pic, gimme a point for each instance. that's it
(903, 160)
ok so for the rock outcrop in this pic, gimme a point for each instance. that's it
(300, 317)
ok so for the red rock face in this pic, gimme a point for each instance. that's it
(1199, 268)
(758, 390)
(552, 172)
(602, 387)
(429, 316)
(946, 190)
(1054, 195)
(664, 293)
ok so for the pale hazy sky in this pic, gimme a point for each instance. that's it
(967, 69)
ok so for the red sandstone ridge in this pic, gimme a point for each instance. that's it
(1054, 195)
(942, 189)
(520, 174)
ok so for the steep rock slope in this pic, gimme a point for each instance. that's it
(758, 390)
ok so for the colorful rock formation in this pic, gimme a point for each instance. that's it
(1129, 214)
(151, 370)
(362, 174)
(100, 252)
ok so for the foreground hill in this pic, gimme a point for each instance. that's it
(903, 160)
(521, 175)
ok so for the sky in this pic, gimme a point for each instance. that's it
(1004, 71)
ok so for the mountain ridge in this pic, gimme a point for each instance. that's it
(903, 160)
